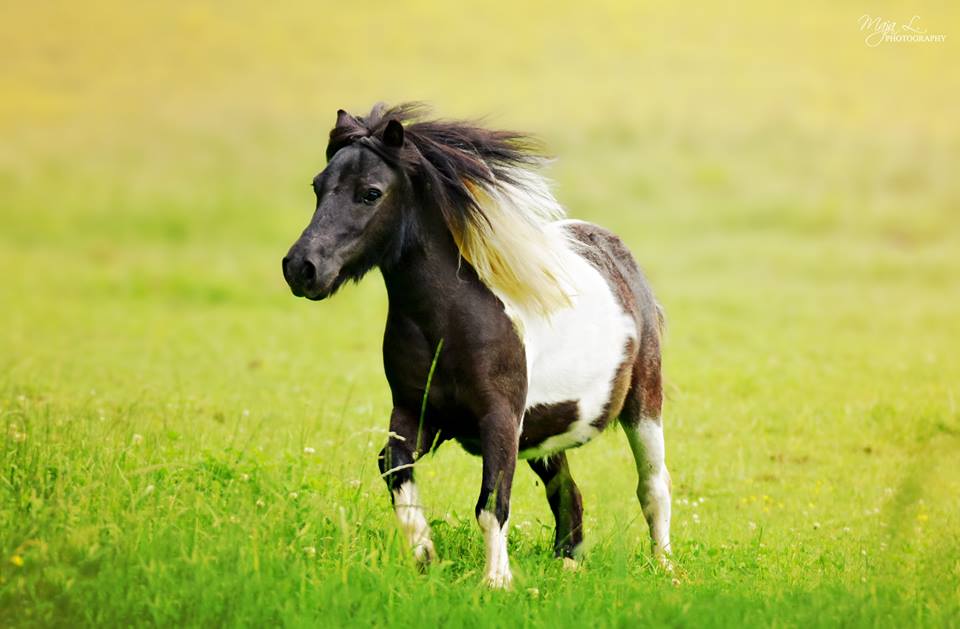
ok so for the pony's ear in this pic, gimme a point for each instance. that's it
(344, 119)
(393, 134)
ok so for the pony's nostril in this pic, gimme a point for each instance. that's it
(286, 262)
(307, 271)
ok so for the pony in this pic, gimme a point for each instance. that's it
(510, 329)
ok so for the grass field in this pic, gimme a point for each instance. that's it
(183, 443)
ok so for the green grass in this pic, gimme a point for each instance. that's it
(791, 192)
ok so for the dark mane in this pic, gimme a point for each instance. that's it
(446, 159)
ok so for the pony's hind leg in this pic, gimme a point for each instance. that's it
(645, 435)
(565, 502)
(396, 466)
(641, 420)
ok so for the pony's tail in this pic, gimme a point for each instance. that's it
(661, 318)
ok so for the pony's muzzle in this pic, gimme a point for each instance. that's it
(304, 277)
(300, 273)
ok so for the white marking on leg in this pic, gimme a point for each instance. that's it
(495, 538)
(653, 486)
(406, 502)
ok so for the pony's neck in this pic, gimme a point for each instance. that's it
(427, 275)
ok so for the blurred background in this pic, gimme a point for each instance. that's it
(791, 190)
(770, 169)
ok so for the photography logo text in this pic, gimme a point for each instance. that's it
(882, 31)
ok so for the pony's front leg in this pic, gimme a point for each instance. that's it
(407, 441)
(498, 446)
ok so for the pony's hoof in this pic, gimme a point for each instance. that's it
(499, 581)
(665, 564)
(570, 564)
(425, 554)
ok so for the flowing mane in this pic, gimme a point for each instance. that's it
(487, 186)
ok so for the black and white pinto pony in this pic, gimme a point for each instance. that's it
(535, 332)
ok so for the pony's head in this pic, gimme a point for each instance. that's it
(387, 168)
(356, 224)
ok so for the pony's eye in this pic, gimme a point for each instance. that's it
(371, 195)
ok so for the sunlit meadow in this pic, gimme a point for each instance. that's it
(184, 443)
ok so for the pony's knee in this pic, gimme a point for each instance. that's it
(493, 503)
(392, 463)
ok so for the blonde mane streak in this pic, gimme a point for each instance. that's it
(512, 251)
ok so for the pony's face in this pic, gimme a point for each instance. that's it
(360, 199)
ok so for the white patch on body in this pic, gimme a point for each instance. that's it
(406, 502)
(653, 486)
(574, 353)
(497, 573)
